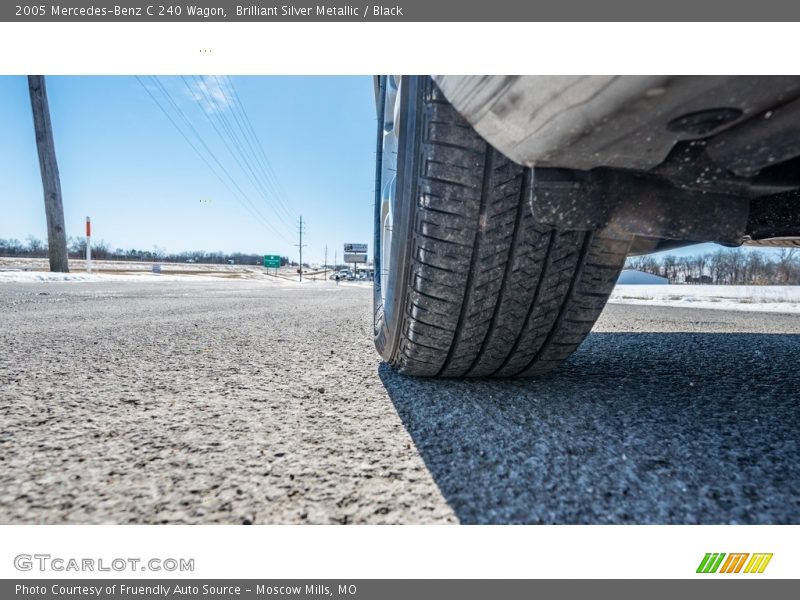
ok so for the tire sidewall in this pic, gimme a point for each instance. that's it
(388, 316)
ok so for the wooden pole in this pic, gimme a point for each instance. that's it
(53, 207)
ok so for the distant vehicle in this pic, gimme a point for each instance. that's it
(506, 206)
(343, 274)
(190, 260)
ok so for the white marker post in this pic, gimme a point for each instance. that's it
(88, 245)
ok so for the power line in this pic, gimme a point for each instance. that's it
(247, 170)
(271, 182)
(241, 194)
(266, 163)
(189, 124)
(185, 137)
(220, 113)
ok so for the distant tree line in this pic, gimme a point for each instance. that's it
(33, 247)
(728, 266)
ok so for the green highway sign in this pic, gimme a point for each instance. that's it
(272, 261)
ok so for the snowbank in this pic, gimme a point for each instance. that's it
(46, 276)
(767, 298)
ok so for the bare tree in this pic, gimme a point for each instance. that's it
(54, 209)
(101, 250)
(77, 246)
(729, 266)
(786, 257)
(12, 247)
(35, 245)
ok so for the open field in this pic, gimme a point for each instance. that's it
(242, 401)
(37, 269)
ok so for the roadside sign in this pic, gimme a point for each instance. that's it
(355, 258)
(88, 245)
(272, 261)
(355, 248)
(156, 269)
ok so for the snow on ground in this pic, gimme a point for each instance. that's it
(32, 270)
(46, 276)
(367, 283)
(758, 298)
(28, 270)
(11, 276)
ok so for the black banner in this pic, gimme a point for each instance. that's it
(398, 589)
(400, 10)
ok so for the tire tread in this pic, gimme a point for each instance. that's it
(490, 292)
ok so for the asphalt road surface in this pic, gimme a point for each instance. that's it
(242, 402)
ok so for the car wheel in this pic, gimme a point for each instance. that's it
(466, 283)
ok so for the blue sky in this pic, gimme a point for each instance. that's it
(124, 164)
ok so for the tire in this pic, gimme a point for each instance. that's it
(473, 287)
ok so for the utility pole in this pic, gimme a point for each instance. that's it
(51, 184)
(325, 264)
(301, 245)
